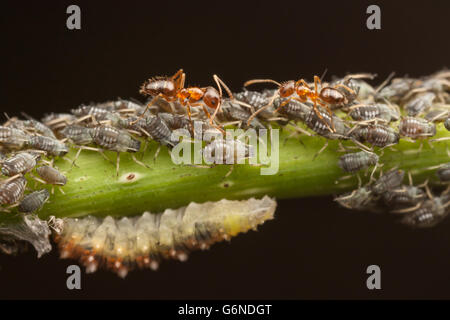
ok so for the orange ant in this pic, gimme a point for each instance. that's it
(172, 89)
(326, 96)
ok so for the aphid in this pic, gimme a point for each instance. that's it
(353, 162)
(12, 190)
(115, 139)
(118, 140)
(122, 245)
(429, 213)
(437, 115)
(390, 180)
(52, 146)
(51, 176)
(404, 196)
(294, 110)
(96, 113)
(159, 131)
(56, 121)
(378, 111)
(359, 199)
(396, 90)
(77, 134)
(12, 138)
(416, 128)
(225, 151)
(20, 163)
(436, 84)
(314, 122)
(34, 201)
(420, 104)
(377, 135)
(443, 172)
(254, 98)
(235, 112)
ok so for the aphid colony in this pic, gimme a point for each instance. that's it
(27, 148)
(345, 109)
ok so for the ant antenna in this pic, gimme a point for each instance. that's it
(250, 82)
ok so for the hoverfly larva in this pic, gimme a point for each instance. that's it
(33, 201)
(19, 163)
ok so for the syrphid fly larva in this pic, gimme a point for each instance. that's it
(122, 245)
(53, 147)
(12, 189)
(33, 201)
(22, 162)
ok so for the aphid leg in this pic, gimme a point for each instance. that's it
(11, 178)
(428, 192)
(321, 150)
(139, 162)
(156, 153)
(385, 82)
(440, 139)
(359, 180)
(117, 163)
(229, 172)
(410, 209)
(414, 91)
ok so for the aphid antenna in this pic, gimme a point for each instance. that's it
(384, 83)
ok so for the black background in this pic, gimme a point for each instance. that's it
(313, 249)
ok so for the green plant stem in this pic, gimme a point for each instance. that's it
(94, 189)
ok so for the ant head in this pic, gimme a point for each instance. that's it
(211, 97)
(287, 89)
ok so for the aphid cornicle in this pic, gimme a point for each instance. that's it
(420, 104)
(52, 146)
(430, 213)
(12, 138)
(77, 134)
(115, 139)
(353, 162)
(390, 180)
(11, 191)
(51, 175)
(20, 163)
(33, 201)
(416, 128)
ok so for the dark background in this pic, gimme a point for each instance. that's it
(313, 249)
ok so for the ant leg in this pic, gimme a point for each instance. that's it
(250, 119)
(282, 105)
(316, 110)
(177, 74)
(155, 98)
